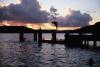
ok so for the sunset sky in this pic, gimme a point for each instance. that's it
(90, 7)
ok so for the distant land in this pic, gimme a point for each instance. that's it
(35, 25)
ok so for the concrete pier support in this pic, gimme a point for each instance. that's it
(40, 37)
(86, 43)
(94, 44)
(21, 37)
(54, 37)
(35, 37)
(66, 39)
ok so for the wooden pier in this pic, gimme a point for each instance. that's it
(76, 38)
(72, 38)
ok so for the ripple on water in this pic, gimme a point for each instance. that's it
(48, 55)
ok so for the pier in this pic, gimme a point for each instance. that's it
(76, 38)
(71, 39)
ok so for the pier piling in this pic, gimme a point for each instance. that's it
(21, 37)
(35, 37)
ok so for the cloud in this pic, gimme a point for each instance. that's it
(1, 0)
(27, 10)
(76, 18)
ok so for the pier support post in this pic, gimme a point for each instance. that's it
(80, 39)
(35, 37)
(53, 37)
(86, 43)
(21, 37)
(40, 37)
(66, 39)
(94, 44)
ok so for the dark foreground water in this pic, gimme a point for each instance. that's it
(29, 54)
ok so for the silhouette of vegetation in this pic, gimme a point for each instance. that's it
(53, 13)
(55, 23)
(15, 29)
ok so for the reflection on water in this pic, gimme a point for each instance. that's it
(48, 55)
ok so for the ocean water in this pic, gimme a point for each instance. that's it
(29, 37)
(48, 55)
(29, 54)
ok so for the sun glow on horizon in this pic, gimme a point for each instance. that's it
(36, 26)
(40, 25)
(2, 5)
(6, 23)
(69, 11)
(18, 1)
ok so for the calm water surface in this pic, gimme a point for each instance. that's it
(48, 55)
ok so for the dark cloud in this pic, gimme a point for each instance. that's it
(75, 19)
(27, 10)
(2, 13)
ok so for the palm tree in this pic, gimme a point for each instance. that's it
(55, 23)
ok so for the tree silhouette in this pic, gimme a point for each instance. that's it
(55, 23)
(53, 13)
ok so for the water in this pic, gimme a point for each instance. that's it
(48, 55)
(15, 54)
(28, 37)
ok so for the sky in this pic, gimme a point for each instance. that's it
(90, 7)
